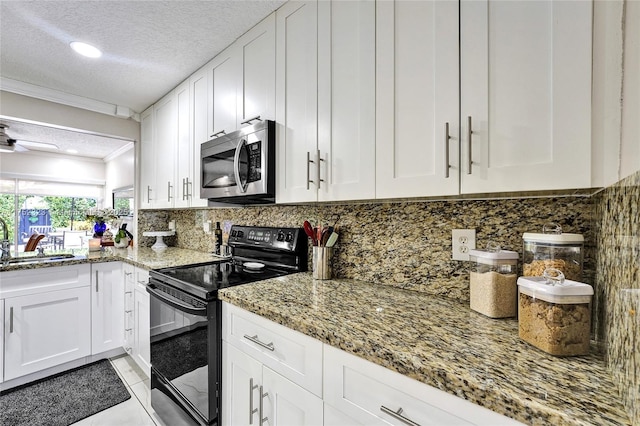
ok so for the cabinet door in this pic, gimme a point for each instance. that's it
(164, 147)
(257, 90)
(241, 380)
(107, 306)
(142, 337)
(1, 340)
(202, 123)
(184, 147)
(147, 162)
(286, 403)
(296, 101)
(46, 329)
(417, 96)
(128, 277)
(346, 100)
(225, 78)
(526, 86)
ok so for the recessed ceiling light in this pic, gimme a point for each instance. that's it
(85, 49)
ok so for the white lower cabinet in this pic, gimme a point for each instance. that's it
(107, 307)
(255, 394)
(264, 382)
(372, 394)
(141, 349)
(47, 318)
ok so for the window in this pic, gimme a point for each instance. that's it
(45, 207)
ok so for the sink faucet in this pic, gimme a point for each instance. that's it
(6, 252)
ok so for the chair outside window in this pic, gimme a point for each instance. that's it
(41, 229)
(73, 239)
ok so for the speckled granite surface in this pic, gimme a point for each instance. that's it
(443, 344)
(143, 257)
(618, 285)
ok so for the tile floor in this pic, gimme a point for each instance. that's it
(136, 411)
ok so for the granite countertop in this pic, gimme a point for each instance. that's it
(143, 257)
(442, 343)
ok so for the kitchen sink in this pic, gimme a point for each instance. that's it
(38, 259)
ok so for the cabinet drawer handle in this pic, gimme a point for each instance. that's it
(398, 415)
(252, 410)
(262, 396)
(469, 133)
(447, 138)
(249, 120)
(320, 159)
(255, 340)
(97, 289)
(11, 319)
(128, 273)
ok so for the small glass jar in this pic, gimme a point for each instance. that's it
(552, 249)
(554, 314)
(492, 283)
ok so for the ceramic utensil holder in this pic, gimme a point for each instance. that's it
(322, 269)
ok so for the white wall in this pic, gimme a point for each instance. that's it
(52, 167)
(120, 172)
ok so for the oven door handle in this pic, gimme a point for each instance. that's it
(236, 166)
(177, 303)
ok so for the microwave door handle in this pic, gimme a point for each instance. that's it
(236, 165)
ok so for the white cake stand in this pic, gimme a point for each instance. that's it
(159, 244)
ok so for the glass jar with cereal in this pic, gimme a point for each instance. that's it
(553, 249)
(492, 283)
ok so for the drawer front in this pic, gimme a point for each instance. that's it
(372, 394)
(290, 353)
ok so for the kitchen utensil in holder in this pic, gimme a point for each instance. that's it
(322, 269)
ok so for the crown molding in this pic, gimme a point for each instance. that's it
(51, 95)
(119, 152)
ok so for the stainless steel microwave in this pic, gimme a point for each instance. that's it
(239, 167)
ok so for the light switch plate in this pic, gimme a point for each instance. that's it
(462, 240)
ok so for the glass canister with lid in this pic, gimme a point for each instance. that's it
(552, 249)
(554, 314)
(492, 283)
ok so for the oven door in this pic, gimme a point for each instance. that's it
(185, 354)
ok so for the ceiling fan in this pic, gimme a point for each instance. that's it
(8, 144)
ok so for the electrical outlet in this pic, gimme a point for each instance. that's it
(462, 240)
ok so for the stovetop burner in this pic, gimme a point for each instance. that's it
(281, 250)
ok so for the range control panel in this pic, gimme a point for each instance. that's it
(266, 237)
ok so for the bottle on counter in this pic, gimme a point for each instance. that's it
(217, 238)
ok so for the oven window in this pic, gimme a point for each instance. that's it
(180, 352)
(217, 170)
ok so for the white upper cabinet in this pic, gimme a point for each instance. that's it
(165, 143)
(184, 150)
(296, 100)
(257, 89)
(525, 95)
(346, 99)
(225, 79)
(147, 164)
(325, 109)
(417, 99)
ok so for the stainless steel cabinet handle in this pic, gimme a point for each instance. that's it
(128, 292)
(309, 160)
(398, 415)
(319, 160)
(11, 319)
(255, 340)
(446, 150)
(184, 189)
(262, 396)
(97, 289)
(221, 132)
(249, 120)
(169, 187)
(469, 132)
(128, 273)
(148, 193)
(252, 410)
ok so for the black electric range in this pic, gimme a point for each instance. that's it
(186, 343)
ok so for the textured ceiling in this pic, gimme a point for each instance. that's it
(148, 47)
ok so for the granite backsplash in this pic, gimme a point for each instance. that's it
(408, 245)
